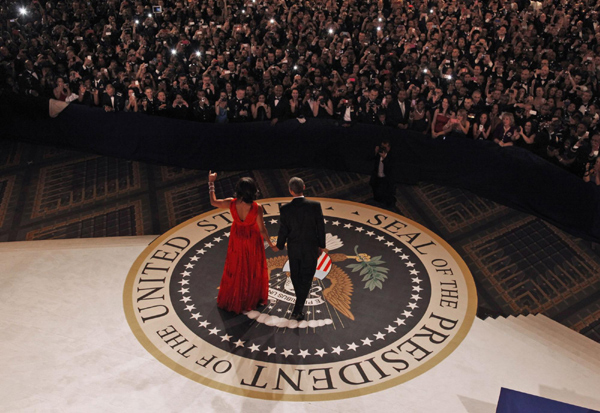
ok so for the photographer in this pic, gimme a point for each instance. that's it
(202, 110)
(180, 108)
(382, 178)
(131, 104)
(323, 106)
(222, 108)
(369, 106)
(346, 112)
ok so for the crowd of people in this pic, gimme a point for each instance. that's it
(515, 72)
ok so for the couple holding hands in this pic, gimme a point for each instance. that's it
(245, 281)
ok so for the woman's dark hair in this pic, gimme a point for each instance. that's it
(246, 190)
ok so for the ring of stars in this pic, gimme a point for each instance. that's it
(253, 347)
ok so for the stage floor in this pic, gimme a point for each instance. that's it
(67, 347)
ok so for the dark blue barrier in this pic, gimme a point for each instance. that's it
(510, 176)
(512, 401)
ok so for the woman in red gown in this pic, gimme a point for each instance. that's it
(245, 281)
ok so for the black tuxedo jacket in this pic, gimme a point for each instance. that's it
(395, 116)
(281, 110)
(388, 167)
(303, 228)
(119, 105)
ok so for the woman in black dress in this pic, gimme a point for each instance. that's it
(420, 118)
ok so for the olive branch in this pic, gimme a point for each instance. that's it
(374, 275)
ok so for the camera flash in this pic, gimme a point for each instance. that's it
(378, 28)
(137, 22)
(430, 11)
(379, 19)
(425, 70)
(173, 51)
(198, 53)
(150, 15)
(330, 31)
(22, 11)
(243, 11)
(272, 21)
(295, 67)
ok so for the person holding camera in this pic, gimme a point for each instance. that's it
(202, 110)
(346, 112)
(131, 104)
(222, 108)
(382, 177)
(458, 126)
(483, 127)
(84, 96)
(179, 108)
(369, 106)
(323, 106)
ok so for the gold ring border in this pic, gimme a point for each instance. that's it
(439, 357)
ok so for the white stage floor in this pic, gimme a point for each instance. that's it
(66, 347)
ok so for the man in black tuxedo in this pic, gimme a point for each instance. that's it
(301, 225)
(111, 101)
(280, 107)
(382, 178)
(398, 111)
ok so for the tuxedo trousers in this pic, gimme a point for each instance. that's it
(302, 272)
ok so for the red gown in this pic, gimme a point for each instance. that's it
(245, 281)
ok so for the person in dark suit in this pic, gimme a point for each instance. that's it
(111, 101)
(382, 179)
(280, 106)
(398, 111)
(303, 228)
(29, 81)
(239, 106)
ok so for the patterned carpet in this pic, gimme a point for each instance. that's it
(520, 263)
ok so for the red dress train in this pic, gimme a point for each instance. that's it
(245, 281)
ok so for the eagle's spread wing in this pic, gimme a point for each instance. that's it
(339, 292)
(276, 262)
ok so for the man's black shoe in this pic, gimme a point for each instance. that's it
(297, 316)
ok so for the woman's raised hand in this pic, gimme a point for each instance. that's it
(212, 176)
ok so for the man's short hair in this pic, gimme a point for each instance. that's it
(296, 185)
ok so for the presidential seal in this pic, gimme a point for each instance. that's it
(389, 301)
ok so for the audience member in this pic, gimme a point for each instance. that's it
(528, 69)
